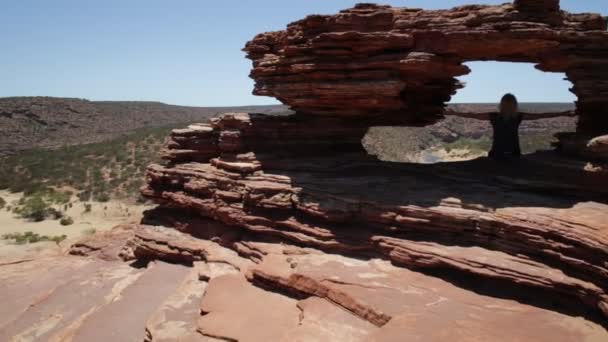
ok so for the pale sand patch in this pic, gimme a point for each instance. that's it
(437, 155)
(103, 216)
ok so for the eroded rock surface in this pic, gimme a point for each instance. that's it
(374, 60)
(280, 292)
(513, 230)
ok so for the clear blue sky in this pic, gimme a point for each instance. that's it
(188, 52)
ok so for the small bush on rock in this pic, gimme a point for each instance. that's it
(66, 221)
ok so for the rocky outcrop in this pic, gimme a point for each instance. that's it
(287, 219)
(109, 246)
(227, 295)
(332, 234)
(588, 147)
(516, 225)
(381, 61)
(306, 293)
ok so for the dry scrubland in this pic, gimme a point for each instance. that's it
(51, 195)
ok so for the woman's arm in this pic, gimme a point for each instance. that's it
(537, 116)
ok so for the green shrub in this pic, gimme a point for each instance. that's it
(31, 237)
(33, 189)
(87, 207)
(84, 196)
(101, 197)
(54, 213)
(34, 208)
(57, 239)
(142, 200)
(66, 221)
(2, 203)
(83, 167)
(58, 197)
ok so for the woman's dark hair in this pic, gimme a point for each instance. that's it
(509, 98)
(508, 104)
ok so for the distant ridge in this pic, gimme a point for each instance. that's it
(49, 122)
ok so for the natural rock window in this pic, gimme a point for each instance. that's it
(533, 230)
(459, 138)
(489, 80)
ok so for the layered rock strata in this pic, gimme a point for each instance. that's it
(298, 180)
(378, 60)
(290, 193)
(286, 220)
(306, 295)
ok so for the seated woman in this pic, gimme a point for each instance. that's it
(505, 141)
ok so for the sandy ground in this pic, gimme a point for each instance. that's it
(103, 216)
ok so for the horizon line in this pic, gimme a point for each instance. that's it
(234, 106)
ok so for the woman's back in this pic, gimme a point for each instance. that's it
(505, 124)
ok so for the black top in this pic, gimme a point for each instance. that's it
(506, 135)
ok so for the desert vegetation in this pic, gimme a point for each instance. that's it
(51, 122)
(31, 237)
(405, 144)
(66, 221)
(53, 181)
(93, 172)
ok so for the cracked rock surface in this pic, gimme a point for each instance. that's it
(284, 293)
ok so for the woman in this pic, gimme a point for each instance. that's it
(505, 124)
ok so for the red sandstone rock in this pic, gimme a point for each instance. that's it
(584, 146)
(109, 246)
(342, 299)
(599, 147)
(71, 298)
(428, 217)
(378, 60)
(306, 294)
(486, 251)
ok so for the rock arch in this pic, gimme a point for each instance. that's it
(305, 179)
(379, 61)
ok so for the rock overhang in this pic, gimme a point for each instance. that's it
(304, 180)
(377, 61)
